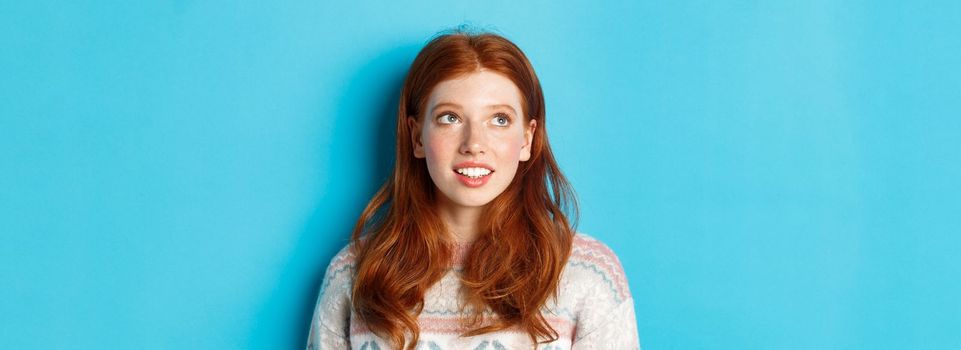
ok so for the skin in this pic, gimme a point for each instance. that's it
(474, 117)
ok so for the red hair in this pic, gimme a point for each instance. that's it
(403, 247)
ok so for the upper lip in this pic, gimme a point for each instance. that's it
(473, 164)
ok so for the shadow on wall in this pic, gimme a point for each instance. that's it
(364, 120)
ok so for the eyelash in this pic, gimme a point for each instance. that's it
(507, 119)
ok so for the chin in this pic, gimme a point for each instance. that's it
(471, 202)
(465, 200)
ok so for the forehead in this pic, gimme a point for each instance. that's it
(476, 90)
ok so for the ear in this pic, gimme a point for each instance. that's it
(415, 137)
(528, 140)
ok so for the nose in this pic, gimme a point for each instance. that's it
(475, 140)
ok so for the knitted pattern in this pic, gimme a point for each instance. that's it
(593, 309)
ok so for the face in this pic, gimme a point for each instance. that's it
(473, 136)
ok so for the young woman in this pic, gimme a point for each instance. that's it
(467, 245)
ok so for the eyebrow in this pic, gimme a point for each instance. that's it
(457, 106)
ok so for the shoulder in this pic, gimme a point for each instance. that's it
(593, 264)
(340, 270)
(339, 276)
(334, 296)
(345, 258)
(599, 296)
(330, 324)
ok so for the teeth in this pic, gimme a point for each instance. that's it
(473, 172)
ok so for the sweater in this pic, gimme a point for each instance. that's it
(593, 309)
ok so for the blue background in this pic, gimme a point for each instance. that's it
(773, 174)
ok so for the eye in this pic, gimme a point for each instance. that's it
(447, 118)
(501, 120)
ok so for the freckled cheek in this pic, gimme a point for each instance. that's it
(509, 147)
(439, 149)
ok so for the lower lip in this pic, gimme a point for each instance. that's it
(471, 182)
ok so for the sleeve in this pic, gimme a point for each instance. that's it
(605, 314)
(330, 324)
(618, 330)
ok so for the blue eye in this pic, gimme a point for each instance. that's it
(447, 118)
(501, 120)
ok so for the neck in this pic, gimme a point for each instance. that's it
(464, 222)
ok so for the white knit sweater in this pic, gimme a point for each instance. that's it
(593, 309)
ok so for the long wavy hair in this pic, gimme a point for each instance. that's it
(403, 247)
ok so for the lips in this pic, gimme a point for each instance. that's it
(473, 174)
(473, 164)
